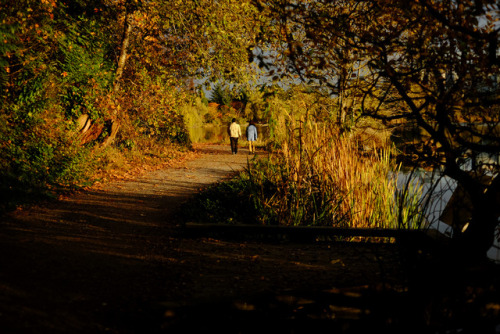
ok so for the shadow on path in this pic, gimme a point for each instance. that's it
(113, 260)
(95, 262)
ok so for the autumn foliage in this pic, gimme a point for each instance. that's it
(122, 66)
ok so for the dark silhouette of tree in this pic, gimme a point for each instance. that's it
(431, 64)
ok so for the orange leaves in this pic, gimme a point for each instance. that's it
(50, 5)
(142, 19)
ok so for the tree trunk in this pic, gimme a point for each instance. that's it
(112, 134)
(123, 52)
(477, 238)
(127, 31)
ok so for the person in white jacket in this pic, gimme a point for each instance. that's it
(234, 134)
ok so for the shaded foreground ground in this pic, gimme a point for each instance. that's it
(117, 260)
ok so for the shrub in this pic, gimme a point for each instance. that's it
(225, 202)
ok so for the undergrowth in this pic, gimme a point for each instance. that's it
(228, 202)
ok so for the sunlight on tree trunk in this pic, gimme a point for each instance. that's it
(123, 52)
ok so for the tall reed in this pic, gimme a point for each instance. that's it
(318, 177)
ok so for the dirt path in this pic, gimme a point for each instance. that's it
(73, 265)
(114, 260)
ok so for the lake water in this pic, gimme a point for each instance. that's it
(444, 186)
(439, 190)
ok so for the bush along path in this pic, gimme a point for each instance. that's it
(114, 259)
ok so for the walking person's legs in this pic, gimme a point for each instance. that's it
(234, 145)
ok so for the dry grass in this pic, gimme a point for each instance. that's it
(323, 178)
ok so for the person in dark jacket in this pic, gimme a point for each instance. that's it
(251, 136)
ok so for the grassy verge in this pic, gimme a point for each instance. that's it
(94, 167)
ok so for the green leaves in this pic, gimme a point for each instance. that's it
(221, 95)
(85, 72)
(7, 48)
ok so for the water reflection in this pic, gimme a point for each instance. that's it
(436, 192)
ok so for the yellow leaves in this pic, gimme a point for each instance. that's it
(141, 19)
(151, 39)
